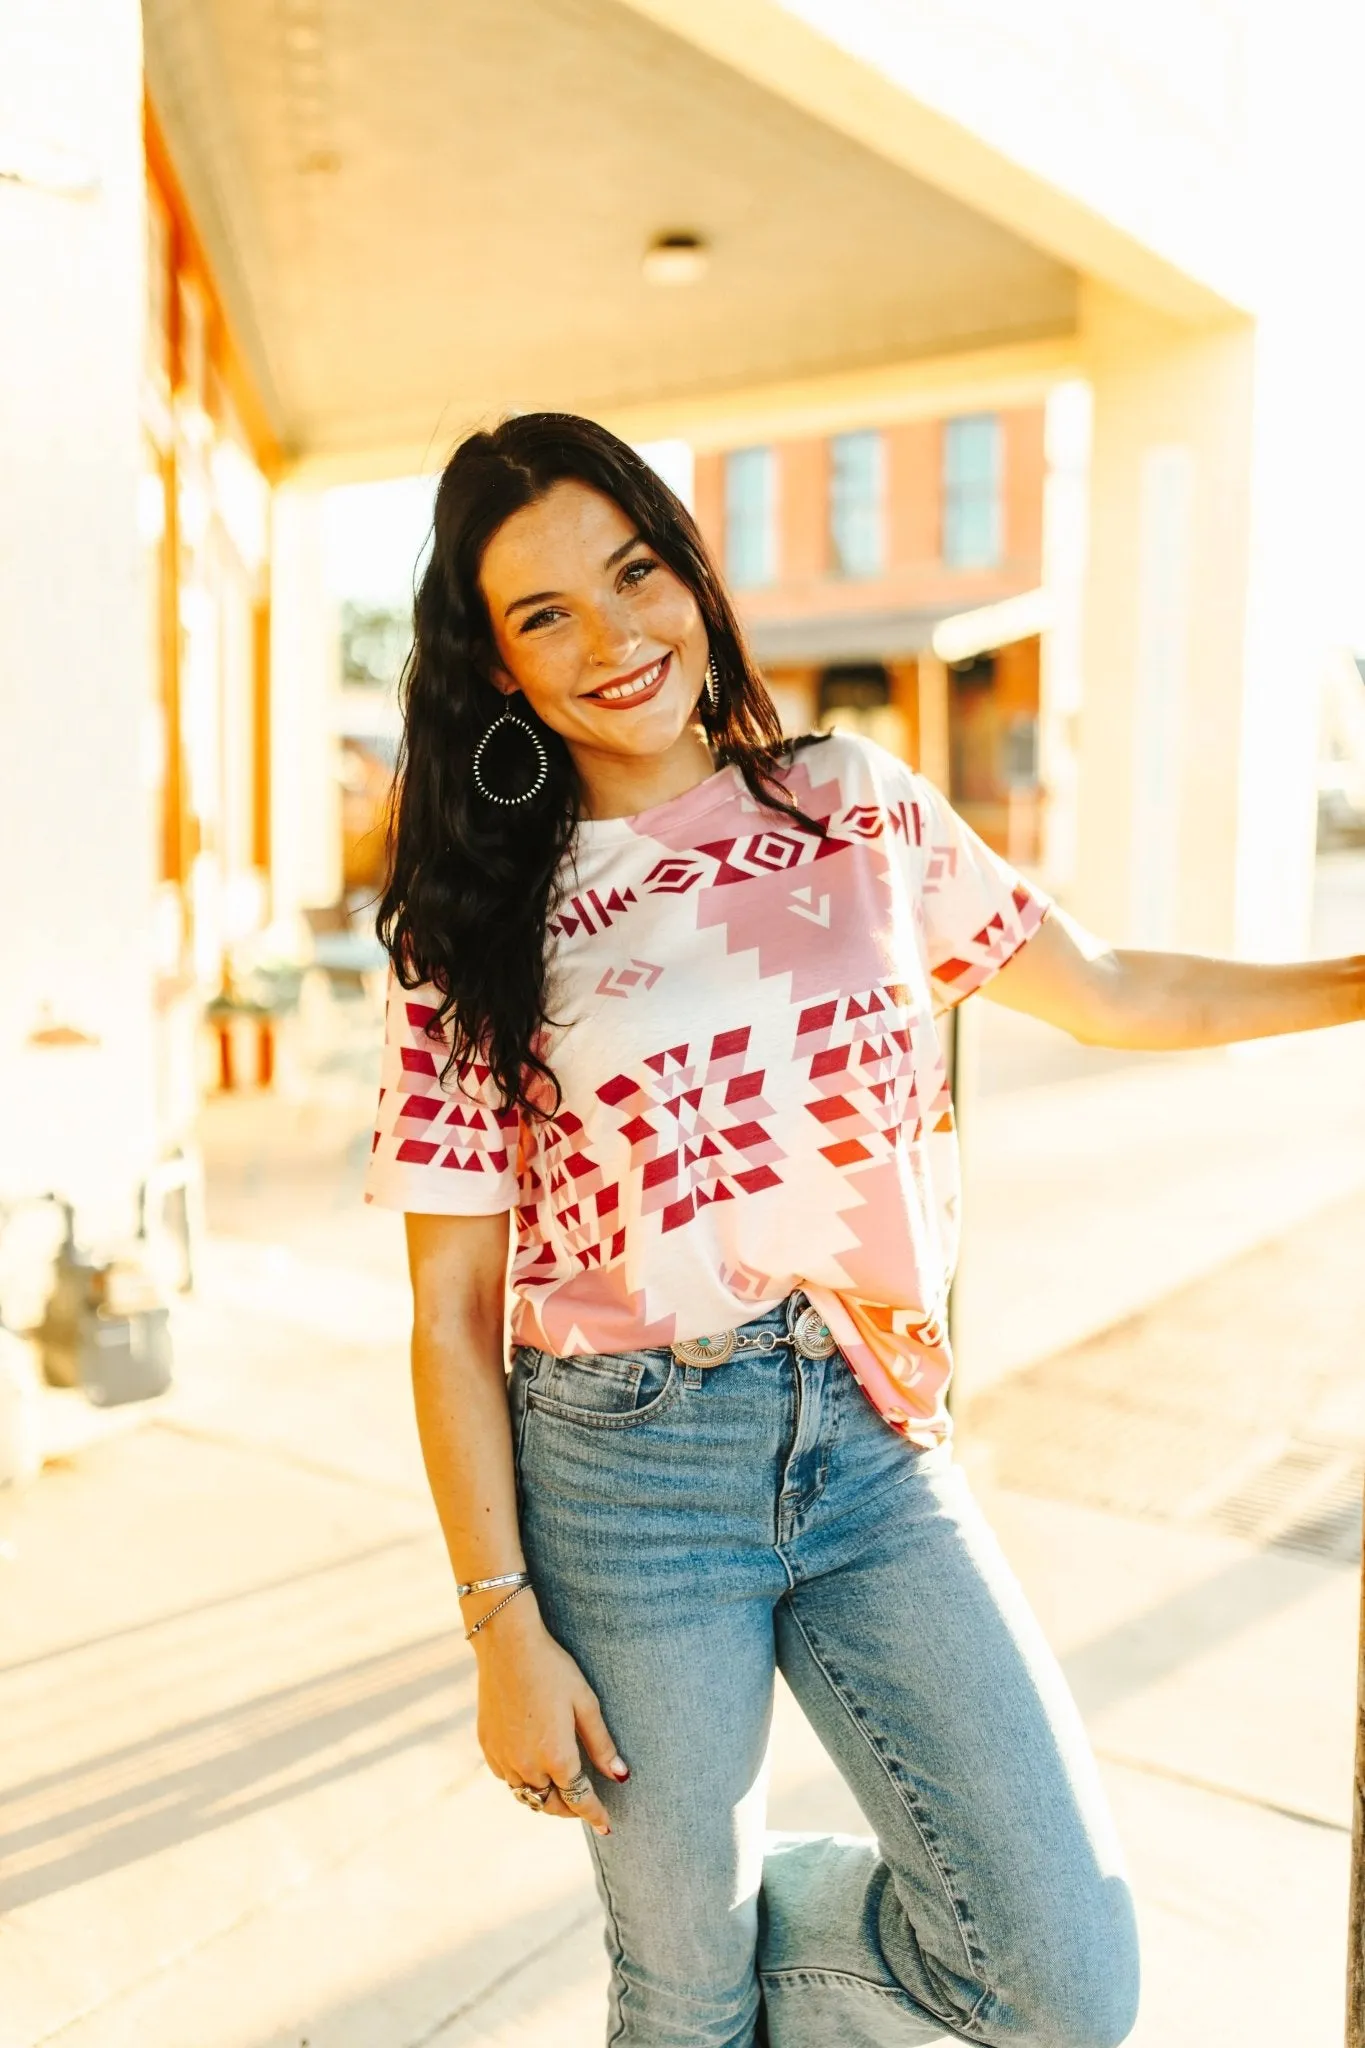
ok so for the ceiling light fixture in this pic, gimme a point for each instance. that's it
(676, 259)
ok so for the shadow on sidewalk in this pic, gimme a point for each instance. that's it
(543, 1971)
(196, 1609)
(1153, 1645)
(79, 1822)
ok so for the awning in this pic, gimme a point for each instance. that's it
(887, 636)
(861, 636)
(967, 634)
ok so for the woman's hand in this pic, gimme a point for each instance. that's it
(538, 1716)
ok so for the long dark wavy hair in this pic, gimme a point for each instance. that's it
(472, 884)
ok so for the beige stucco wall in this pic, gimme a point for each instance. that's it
(77, 729)
(1164, 632)
(305, 793)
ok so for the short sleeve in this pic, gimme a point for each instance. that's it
(440, 1148)
(978, 910)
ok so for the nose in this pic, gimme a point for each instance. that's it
(612, 638)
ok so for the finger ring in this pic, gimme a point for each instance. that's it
(577, 1790)
(533, 1796)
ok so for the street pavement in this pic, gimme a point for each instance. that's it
(241, 1803)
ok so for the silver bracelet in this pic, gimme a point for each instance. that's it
(506, 1601)
(487, 1585)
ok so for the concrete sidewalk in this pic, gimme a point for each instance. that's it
(240, 1797)
(1088, 1200)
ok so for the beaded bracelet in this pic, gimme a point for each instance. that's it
(506, 1601)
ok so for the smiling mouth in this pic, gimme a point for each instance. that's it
(632, 688)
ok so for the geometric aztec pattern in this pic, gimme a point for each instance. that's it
(719, 863)
(697, 1127)
(564, 1183)
(466, 1135)
(620, 981)
(740, 1009)
(862, 1073)
(591, 912)
(989, 948)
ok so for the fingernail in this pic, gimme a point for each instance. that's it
(619, 1767)
(602, 1831)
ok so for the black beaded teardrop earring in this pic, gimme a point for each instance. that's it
(542, 761)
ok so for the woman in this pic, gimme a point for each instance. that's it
(663, 992)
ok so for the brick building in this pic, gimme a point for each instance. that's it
(848, 552)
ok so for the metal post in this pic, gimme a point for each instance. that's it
(959, 1033)
(1355, 1951)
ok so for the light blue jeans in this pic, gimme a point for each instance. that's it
(691, 1532)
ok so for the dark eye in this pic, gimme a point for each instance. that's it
(538, 618)
(636, 572)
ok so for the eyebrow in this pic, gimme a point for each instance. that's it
(542, 596)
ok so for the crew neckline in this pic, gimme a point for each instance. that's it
(675, 810)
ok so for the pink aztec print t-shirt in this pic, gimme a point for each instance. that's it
(754, 1098)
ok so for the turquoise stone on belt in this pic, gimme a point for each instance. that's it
(705, 1350)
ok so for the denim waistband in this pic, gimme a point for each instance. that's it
(781, 1320)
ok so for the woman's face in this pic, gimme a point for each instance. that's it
(608, 646)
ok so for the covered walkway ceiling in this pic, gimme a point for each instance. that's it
(422, 213)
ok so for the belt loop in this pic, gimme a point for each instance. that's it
(692, 1375)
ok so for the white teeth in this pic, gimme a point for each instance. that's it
(615, 691)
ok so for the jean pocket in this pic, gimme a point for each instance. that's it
(605, 1390)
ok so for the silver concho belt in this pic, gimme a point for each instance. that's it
(811, 1337)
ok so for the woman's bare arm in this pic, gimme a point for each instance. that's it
(534, 1704)
(1164, 1002)
(458, 1268)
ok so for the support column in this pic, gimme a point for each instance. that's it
(933, 754)
(1066, 490)
(305, 792)
(1217, 594)
(1160, 821)
(79, 733)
